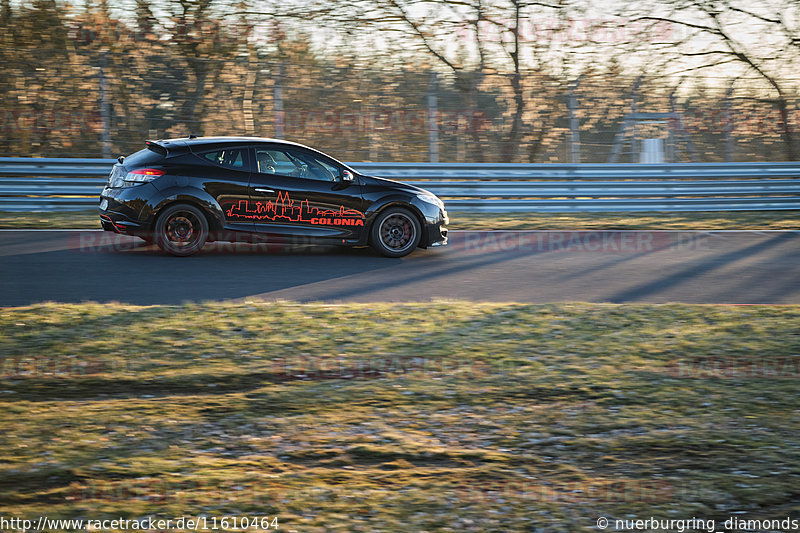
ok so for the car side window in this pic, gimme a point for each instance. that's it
(275, 162)
(228, 157)
(294, 163)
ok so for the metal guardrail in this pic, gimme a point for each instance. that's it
(34, 184)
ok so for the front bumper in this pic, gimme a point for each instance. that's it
(436, 231)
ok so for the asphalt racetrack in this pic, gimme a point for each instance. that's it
(737, 267)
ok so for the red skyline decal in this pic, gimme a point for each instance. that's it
(285, 208)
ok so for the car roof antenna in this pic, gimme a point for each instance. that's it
(192, 136)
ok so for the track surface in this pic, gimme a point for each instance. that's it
(535, 266)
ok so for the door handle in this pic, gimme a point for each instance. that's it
(267, 191)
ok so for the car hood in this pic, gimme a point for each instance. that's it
(397, 185)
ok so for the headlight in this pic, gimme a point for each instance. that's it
(431, 199)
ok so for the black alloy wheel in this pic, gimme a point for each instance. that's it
(181, 230)
(396, 232)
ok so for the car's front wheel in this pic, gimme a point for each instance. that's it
(396, 232)
(181, 229)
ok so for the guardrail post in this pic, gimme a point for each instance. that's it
(105, 113)
(277, 101)
(249, 92)
(574, 124)
(433, 120)
(729, 124)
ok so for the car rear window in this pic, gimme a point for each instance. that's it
(142, 158)
(227, 157)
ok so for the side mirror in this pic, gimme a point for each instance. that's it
(347, 176)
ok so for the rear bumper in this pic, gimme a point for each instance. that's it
(117, 224)
(120, 209)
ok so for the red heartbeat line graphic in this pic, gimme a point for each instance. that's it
(284, 208)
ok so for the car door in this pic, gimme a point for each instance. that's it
(225, 173)
(294, 191)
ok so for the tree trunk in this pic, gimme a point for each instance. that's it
(786, 130)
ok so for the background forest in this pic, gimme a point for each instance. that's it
(395, 80)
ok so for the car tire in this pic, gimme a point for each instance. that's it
(181, 230)
(396, 232)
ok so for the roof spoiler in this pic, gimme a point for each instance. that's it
(168, 147)
(157, 148)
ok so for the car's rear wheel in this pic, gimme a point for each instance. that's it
(181, 229)
(396, 232)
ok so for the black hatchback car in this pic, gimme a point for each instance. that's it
(182, 193)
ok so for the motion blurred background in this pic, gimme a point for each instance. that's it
(461, 414)
(400, 80)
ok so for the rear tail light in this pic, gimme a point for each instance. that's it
(142, 175)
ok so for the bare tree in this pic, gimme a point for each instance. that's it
(472, 41)
(726, 32)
